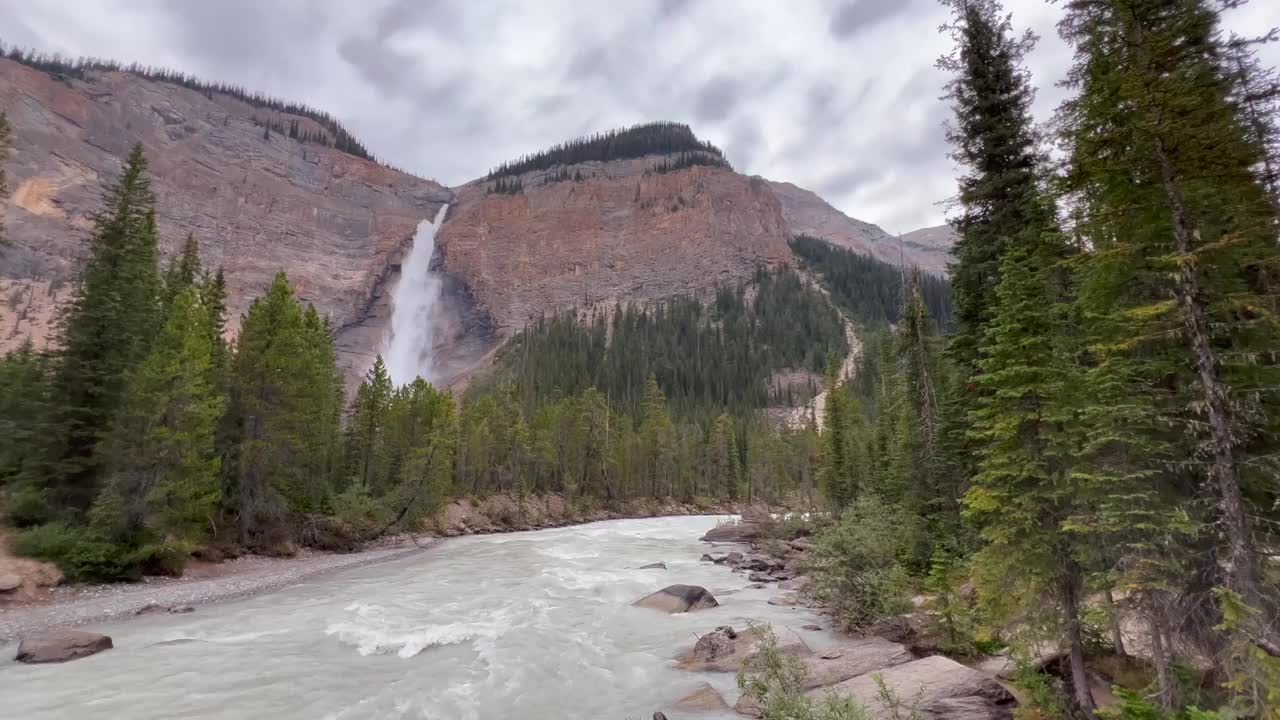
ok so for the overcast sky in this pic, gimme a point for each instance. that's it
(838, 96)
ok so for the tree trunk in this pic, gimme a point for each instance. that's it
(1117, 638)
(1165, 689)
(1242, 565)
(1069, 589)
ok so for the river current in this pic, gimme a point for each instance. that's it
(534, 625)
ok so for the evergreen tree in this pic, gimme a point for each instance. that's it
(1029, 502)
(106, 331)
(272, 400)
(366, 444)
(24, 388)
(724, 468)
(184, 271)
(995, 141)
(1184, 275)
(160, 453)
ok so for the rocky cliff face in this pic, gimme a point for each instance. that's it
(623, 233)
(808, 214)
(337, 224)
(260, 202)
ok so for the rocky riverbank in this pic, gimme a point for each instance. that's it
(885, 672)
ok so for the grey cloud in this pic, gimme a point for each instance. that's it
(744, 146)
(845, 182)
(670, 8)
(716, 99)
(855, 16)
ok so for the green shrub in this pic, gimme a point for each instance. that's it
(80, 554)
(774, 683)
(855, 564)
(26, 507)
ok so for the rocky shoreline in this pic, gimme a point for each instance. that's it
(884, 673)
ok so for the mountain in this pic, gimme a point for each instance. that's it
(637, 215)
(807, 214)
(257, 200)
(938, 239)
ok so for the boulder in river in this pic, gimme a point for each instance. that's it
(10, 582)
(654, 566)
(678, 599)
(801, 544)
(935, 687)
(55, 646)
(733, 532)
(705, 699)
(716, 655)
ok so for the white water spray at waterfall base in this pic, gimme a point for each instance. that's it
(408, 351)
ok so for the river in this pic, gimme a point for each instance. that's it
(534, 625)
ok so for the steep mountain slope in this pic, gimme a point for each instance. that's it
(807, 214)
(623, 233)
(257, 201)
(937, 239)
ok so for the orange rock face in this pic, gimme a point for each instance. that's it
(625, 233)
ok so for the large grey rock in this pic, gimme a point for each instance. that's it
(9, 582)
(733, 532)
(802, 544)
(712, 656)
(678, 599)
(853, 658)
(934, 687)
(654, 566)
(55, 646)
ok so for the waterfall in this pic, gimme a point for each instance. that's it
(408, 351)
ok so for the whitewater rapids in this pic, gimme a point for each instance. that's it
(535, 625)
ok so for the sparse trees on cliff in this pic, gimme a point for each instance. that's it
(6, 144)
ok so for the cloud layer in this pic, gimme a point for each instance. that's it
(840, 96)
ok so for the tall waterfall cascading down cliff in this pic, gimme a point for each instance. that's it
(413, 306)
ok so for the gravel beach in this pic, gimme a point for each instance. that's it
(232, 580)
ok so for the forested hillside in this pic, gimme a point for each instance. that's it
(707, 355)
(658, 138)
(866, 288)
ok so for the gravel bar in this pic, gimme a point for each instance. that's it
(236, 579)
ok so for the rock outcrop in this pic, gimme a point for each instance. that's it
(678, 599)
(622, 234)
(55, 646)
(733, 532)
(714, 654)
(932, 687)
(336, 223)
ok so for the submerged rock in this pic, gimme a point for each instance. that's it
(654, 566)
(678, 599)
(704, 699)
(55, 646)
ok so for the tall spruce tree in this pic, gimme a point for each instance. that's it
(1030, 503)
(160, 453)
(106, 330)
(1183, 278)
(366, 444)
(24, 388)
(183, 271)
(995, 141)
(271, 399)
